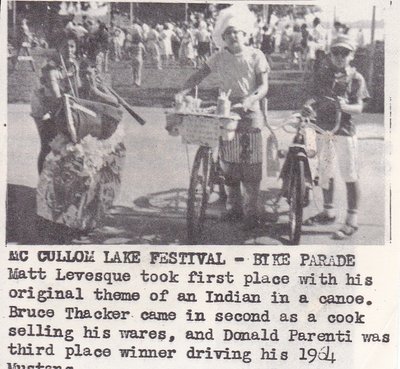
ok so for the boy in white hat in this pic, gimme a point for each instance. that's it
(244, 71)
(337, 79)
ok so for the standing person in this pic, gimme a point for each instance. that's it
(118, 43)
(54, 83)
(137, 50)
(337, 79)
(153, 48)
(186, 52)
(165, 43)
(267, 44)
(80, 175)
(176, 39)
(244, 71)
(203, 42)
(317, 44)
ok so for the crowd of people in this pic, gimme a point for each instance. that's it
(303, 41)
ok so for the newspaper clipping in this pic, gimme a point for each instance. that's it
(203, 184)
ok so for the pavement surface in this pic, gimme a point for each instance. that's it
(151, 207)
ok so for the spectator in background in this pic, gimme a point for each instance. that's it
(316, 45)
(305, 35)
(296, 48)
(24, 35)
(267, 44)
(286, 39)
(153, 49)
(203, 42)
(186, 51)
(360, 39)
(176, 39)
(165, 43)
(337, 30)
(137, 50)
(118, 40)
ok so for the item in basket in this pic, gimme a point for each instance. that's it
(224, 104)
(223, 107)
(174, 122)
(191, 104)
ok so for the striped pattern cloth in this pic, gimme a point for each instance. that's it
(246, 147)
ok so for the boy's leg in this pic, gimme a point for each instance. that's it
(346, 148)
(232, 181)
(325, 172)
(251, 176)
(251, 192)
(353, 199)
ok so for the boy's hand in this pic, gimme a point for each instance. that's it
(248, 102)
(342, 103)
(307, 111)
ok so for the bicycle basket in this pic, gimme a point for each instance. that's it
(203, 129)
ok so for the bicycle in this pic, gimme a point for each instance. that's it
(297, 179)
(206, 130)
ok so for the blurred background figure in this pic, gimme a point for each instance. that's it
(203, 42)
(186, 51)
(153, 48)
(136, 51)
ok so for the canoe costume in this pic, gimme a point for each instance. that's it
(80, 175)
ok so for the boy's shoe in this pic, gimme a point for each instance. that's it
(232, 216)
(321, 218)
(345, 232)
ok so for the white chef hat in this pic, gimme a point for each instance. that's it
(238, 16)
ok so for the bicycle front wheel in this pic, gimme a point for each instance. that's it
(198, 195)
(296, 198)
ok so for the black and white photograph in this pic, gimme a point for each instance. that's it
(166, 123)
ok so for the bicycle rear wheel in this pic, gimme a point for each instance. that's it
(296, 198)
(198, 195)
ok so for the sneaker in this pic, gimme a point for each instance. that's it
(345, 232)
(232, 216)
(321, 218)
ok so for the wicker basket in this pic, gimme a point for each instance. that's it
(202, 129)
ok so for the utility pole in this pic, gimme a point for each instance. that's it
(372, 49)
(131, 12)
(14, 15)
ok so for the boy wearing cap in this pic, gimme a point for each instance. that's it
(337, 79)
(244, 71)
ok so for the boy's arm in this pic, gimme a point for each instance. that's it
(356, 108)
(259, 93)
(193, 81)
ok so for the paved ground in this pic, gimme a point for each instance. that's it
(151, 206)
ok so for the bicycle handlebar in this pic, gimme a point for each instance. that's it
(300, 120)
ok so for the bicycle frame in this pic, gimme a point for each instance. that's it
(297, 150)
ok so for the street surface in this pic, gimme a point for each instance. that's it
(152, 202)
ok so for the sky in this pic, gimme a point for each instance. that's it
(352, 10)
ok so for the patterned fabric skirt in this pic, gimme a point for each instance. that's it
(79, 182)
(246, 147)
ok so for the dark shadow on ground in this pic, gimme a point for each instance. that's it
(157, 219)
